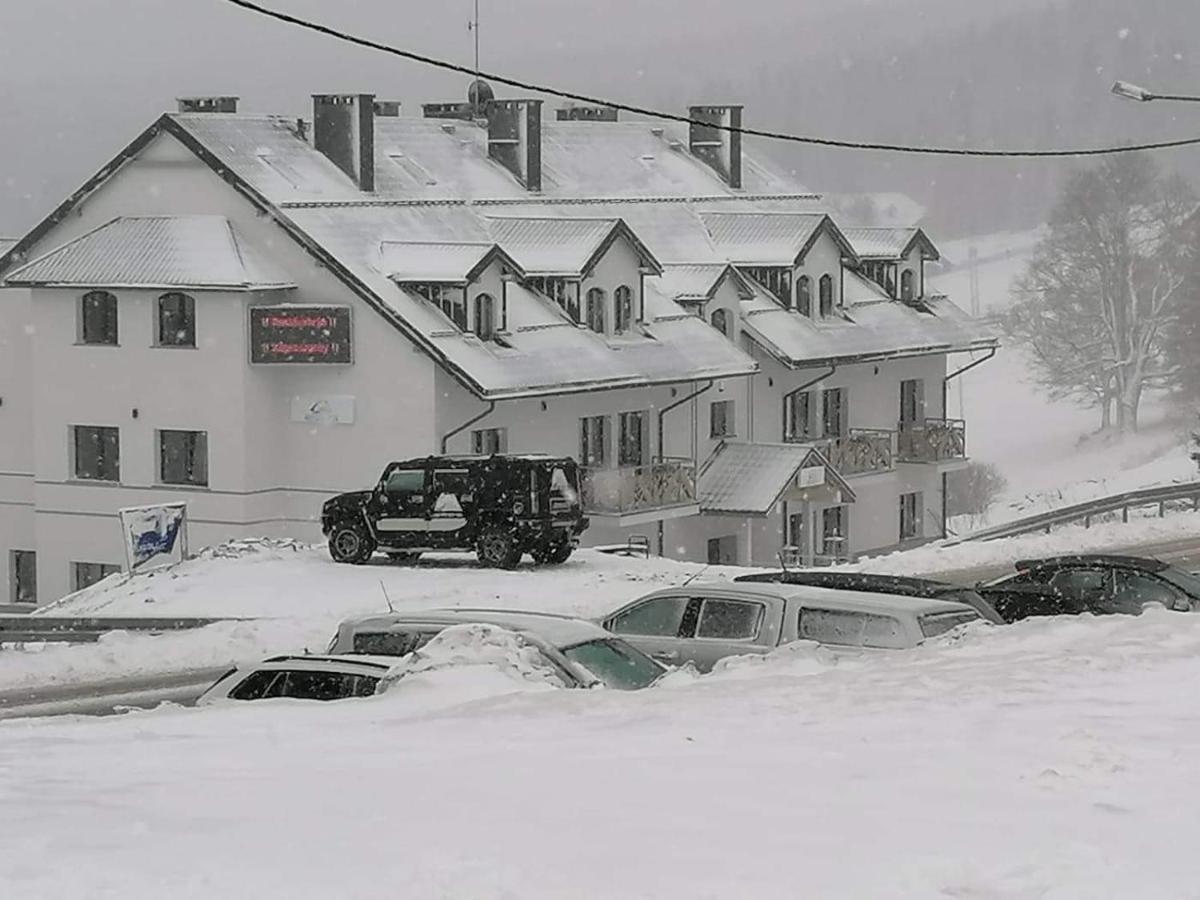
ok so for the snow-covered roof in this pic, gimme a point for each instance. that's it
(440, 159)
(888, 243)
(558, 630)
(432, 261)
(6, 243)
(749, 479)
(691, 282)
(166, 252)
(767, 239)
(554, 246)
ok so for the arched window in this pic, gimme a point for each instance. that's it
(485, 316)
(595, 310)
(906, 285)
(720, 321)
(826, 289)
(98, 318)
(804, 295)
(623, 309)
(176, 320)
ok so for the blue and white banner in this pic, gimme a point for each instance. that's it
(152, 532)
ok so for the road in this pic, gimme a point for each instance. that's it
(100, 698)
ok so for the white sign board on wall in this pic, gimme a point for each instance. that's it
(323, 409)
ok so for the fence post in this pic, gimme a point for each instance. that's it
(1087, 521)
(1125, 513)
(1196, 503)
(1162, 508)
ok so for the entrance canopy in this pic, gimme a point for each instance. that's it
(750, 479)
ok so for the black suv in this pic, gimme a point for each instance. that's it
(499, 506)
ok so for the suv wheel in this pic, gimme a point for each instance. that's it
(497, 547)
(349, 542)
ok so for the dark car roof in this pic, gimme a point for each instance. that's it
(467, 459)
(862, 581)
(1144, 563)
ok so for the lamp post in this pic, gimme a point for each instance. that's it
(1134, 92)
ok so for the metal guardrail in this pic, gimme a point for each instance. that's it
(1087, 510)
(17, 629)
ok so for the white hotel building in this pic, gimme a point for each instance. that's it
(738, 374)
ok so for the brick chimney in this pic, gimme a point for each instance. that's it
(344, 130)
(710, 142)
(207, 104)
(515, 139)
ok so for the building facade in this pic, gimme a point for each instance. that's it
(250, 313)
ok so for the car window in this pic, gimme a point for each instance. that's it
(730, 620)
(615, 664)
(1134, 589)
(657, 617)
(933, 624)
(309, 685)
(1079, 583)
(405, 481)
(1185, 581)
(255, 685)
(852, 629)
(390, 643)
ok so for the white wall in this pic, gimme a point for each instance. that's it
(823, 258)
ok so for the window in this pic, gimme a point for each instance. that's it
(632, 448)
(22, 568)
(564, 293)
(98, 318)
(933, 624)
(906, 285)
(183, 458)
(729, 620)
(595, 310)
(450, 300)
(804, 295)
(852, 629)
(85, 574)
(826, 290)
(256, 685)
(833, 532)
(97, 451)
(176, 320)
(487, 441)
(309, 685)
(485, 317)
(405, 481)
(390, 643)
(615, 664)
(720, 321)
(659, 617)
(797, 414)
(910, 515)
(912, 401)
(623, 307)
(833, 413)
(593, 441)
(776, 279)
(721, 419)
(1132, 590)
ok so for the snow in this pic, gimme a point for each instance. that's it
(1046, 759)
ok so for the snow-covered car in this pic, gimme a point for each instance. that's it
(302, 678)
(703, 623)
(582, 653)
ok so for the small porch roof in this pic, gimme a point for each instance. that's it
(748, 479)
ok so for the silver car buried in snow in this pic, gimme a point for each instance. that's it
(702, 623)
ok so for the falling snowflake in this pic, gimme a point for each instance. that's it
(1123, 33)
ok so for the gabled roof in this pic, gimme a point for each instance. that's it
(770, 238)
(889, 243)
(559, 246)
(440, 262)
(6, 243)
(193, 252)
(696, 282)
(749, 479)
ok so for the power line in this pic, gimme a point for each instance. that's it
(687, 120)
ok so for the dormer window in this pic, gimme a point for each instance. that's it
(804, 295)
(450, 300)
(622, 309)
(485, 317)
(596, 301)
(776, 279)
(720, 321)
(563, 292)
(826, 291)
(906, 285)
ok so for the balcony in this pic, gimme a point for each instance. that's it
(665, 488)
(933, 440)
(863, 451)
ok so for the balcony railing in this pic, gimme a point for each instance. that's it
(933, 440)
(662, 484)
(860, 452)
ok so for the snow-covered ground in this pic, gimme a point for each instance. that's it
(1051, 759)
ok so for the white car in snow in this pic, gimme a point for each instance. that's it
(302, 678)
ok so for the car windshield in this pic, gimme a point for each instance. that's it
(933, 624)
(1185, 581)
(615, 664)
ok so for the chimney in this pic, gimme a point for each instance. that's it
(387, 108)
(207, 104)
(586, 114)
(721, 149)
(515, 139)
(344, 130)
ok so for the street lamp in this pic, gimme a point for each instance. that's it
(1133, 92)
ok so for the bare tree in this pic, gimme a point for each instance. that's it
(1104, 286)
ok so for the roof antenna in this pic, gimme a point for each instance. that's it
(473, 26)
(696, 575)
(386, 598)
